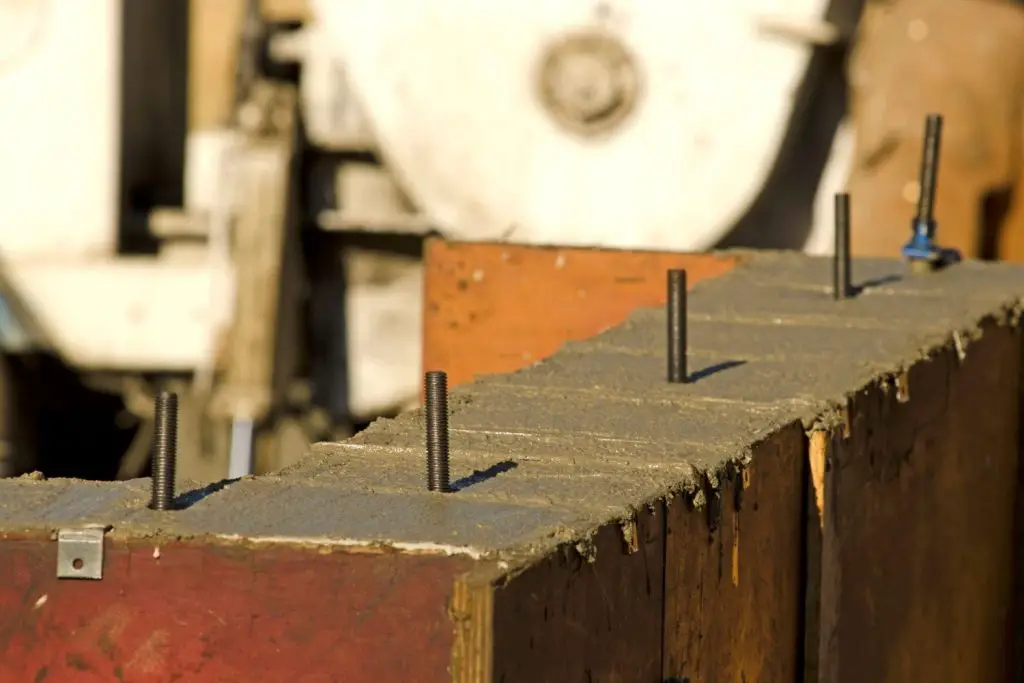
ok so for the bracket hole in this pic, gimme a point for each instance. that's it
(77, 564)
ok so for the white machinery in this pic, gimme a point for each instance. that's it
(615, 123)
(620, 123)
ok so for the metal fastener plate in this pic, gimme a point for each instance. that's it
(80, 553)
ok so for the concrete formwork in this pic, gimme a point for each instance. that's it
(833, 498)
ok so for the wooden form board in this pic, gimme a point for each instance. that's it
(492, 308)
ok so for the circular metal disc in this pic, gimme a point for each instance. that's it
(657, 129)
(21, 23)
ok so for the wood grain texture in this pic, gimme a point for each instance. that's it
(472, 611)
(204, 614)
(580, 619)
(733, 572)
(918, 545)
(818, 450)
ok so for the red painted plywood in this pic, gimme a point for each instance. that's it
(203, 613)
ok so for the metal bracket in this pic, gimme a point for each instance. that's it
(80, 553)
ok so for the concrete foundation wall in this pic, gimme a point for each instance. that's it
(906, 566)
(832, 497)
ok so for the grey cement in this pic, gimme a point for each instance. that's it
(588, 436)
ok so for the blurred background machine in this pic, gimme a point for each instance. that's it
(228, 198)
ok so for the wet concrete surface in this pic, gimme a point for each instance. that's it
(549, 453)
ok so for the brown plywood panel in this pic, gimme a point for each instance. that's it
(733, 579)
(590, 614)
(918, 542)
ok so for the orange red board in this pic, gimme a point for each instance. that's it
(493, 308)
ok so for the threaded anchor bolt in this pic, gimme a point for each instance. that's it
(929, 171)
(165, 450)
(921, 250)
(675, 309)
(842, 287)
(436, 415)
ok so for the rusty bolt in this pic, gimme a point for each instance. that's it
(676, 315)
(841, 285)
(165, 450)
(436, 416)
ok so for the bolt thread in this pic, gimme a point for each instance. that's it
(436, 414)
(841, 284)
(675, 310)
(165, 450)
(929, 168)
